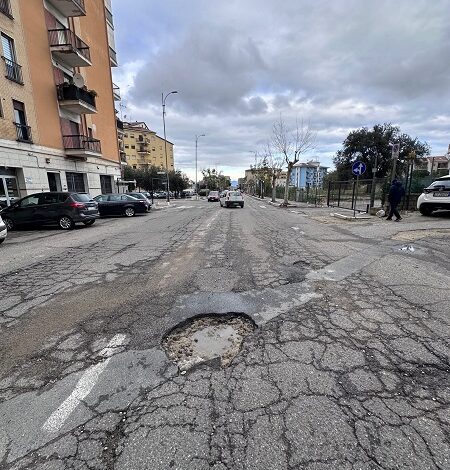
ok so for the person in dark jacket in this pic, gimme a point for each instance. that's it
(396, 192)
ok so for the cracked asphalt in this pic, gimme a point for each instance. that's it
(348, 367)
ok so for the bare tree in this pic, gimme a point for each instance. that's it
(274, 167)
(291, 145)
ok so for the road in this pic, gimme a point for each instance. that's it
(347, 367)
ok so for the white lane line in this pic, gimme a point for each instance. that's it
(83, 387)
(263, 207)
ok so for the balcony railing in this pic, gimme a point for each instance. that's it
(70, 7)
(66, 37)
(116, 92)
(81, 142)
(109, 17)
(71, 92)
(5, 8)
(23, 133)
(113, 57)
(13, 71)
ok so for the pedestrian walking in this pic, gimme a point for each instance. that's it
(396, 193)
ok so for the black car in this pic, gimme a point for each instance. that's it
(143, 197)
(120, 204)
(63, 208)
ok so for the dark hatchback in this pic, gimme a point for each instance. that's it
(120, 204)
(62, 208)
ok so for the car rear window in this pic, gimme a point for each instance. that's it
(235, 193)
(214, 193)
(81, 197)
(441, 183)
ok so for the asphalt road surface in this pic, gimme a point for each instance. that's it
(347, 367)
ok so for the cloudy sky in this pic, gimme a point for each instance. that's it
(240, 64)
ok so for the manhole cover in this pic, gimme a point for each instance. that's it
(208, 337)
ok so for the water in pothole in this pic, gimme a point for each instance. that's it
(208, 337)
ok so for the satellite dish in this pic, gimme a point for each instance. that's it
(78, 80)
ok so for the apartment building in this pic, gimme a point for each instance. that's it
(308, 174)
(57, 115)
(144, 148)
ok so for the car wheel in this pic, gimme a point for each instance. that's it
(89, 222)
(242, 205)
(425, 210)
(66, 223)
(129, 212)
(9, 223)
(2, 240)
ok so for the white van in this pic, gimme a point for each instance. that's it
(231, 198)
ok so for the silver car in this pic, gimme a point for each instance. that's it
(3, 230)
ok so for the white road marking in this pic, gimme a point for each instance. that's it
(263, 207)
(83, 387)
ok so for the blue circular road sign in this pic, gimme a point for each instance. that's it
(358, 168)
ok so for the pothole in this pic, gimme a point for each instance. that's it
(208, 337)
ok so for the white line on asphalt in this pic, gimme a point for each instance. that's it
(263, 207)
(83, 388)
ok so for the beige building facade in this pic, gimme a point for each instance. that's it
(144, 148)
(57, 116)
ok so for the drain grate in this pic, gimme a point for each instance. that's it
(208, 337)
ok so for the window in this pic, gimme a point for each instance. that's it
(13, 70)
(90, 133)
(127, 146)
(75, 182)
(125, 135)
(1, 109)
(132, 135)
(23, 131)
(134, 167)
(5, 8)
(133, 146)
(30, 201)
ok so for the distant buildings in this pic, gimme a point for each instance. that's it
(57, 116)
(434, 165)
(308, 175)
(143, 147)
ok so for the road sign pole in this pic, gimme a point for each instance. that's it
(356, 197)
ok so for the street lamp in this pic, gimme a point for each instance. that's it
(163, 102)
(196, 146)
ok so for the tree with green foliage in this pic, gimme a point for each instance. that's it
(215, 180)
(149, 179)
(374, 146)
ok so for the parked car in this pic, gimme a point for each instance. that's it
(434, 197)
(231, 198)
(120, 204)
(160, 195)
(213, 196)
(64, 208)
(143, 197)
(3, 231)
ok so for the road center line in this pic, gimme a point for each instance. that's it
(83, 387)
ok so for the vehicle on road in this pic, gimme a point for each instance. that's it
(142, 197)
(213, 196)
(63, 208)
(3, 231)
(160, 195)
(231, 198)
(434, 197)
(120, 204)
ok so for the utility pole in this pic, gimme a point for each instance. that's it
(196, 147)
(163, 102)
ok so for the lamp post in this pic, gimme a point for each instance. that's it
(163, 102)
(196, 147)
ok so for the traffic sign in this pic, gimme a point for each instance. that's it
(358, 168)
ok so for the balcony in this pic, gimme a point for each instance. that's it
(119, 124)
(23, 133)
(116, 92)
(69, 48)
(113, 57)
(13, 71)
(142, 149)
(77, 100)
(5, 8)
(69, 7)
(81, 146)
